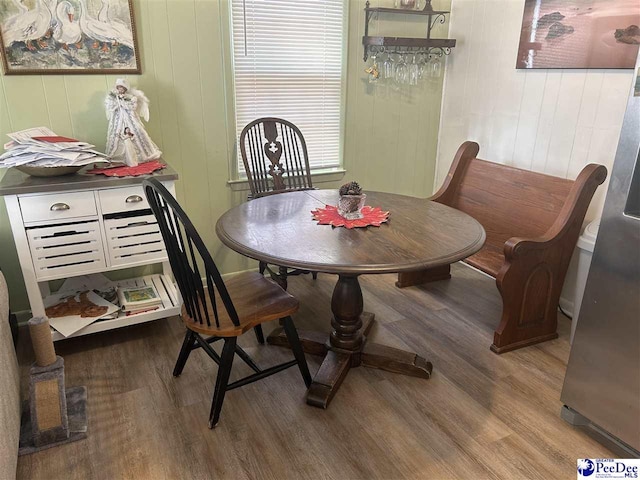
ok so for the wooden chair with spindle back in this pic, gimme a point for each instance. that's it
(276, 160)
(218, 310)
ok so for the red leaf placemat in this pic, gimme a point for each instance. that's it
(142, 169)
(329, 215)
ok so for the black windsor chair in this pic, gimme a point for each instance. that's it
(220, 310)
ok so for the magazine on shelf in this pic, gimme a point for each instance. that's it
(128, 313)
(138, 299)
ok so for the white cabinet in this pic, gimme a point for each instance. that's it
(78, 231)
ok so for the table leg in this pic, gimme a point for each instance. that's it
(394, 360)
(325, 384)
(347, 347)
(313, 343)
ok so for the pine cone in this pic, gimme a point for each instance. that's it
(351, 188)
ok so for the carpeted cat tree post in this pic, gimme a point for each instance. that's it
(54, 415)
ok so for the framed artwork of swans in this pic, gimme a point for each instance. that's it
(68, 36)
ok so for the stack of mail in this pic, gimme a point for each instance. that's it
(41, 147)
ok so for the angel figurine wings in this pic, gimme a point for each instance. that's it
(127, 140)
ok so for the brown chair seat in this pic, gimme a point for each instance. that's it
(257, 300)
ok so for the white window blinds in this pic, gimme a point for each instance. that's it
(288, 64)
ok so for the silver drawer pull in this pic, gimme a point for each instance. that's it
(57, 207)
(133, 199)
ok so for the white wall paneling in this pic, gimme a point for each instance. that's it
(551, 121)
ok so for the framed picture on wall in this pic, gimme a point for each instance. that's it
(579, 34)
(68, 36)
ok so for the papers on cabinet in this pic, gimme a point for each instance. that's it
(41, 147)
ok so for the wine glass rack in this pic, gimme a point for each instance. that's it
(428, 45)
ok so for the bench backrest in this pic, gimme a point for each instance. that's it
(511, 202)
(508, 201)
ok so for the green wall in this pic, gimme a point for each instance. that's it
(390, 136)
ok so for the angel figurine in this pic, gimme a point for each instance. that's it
(127, 140)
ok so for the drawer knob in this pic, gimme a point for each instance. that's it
(57, 207)
(133, 199)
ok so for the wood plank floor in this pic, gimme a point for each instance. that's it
(479, 416)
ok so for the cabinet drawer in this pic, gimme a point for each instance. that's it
(57, 206)
(66, 250)
(117, 200)
(133, 240)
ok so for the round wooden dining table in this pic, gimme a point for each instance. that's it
(279, 230)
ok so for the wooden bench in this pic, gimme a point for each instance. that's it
(532, 223)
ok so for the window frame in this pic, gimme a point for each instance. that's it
(236, 179)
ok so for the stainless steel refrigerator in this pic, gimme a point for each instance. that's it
(602, 383)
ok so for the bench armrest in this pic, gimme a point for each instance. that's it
(565, 230)
(447, 192)
(518, 247)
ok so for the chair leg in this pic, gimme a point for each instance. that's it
(259, 334)
(314, 275)
(296, 347)
(228, 352)
(262, 267)
(282, 277)
(244, 356)
(187, 343)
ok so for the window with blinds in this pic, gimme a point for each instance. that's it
(288, 64)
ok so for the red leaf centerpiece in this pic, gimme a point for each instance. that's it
(141, 169)
(329, 215)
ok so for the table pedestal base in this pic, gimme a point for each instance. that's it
(337, 361)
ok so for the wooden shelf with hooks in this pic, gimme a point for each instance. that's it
(409, 42)
(444, 45)
(405, 11)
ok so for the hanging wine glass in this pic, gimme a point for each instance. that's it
(422, 67)
(413, 71)
(388, 68)
(402, 71)
(435, 68)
